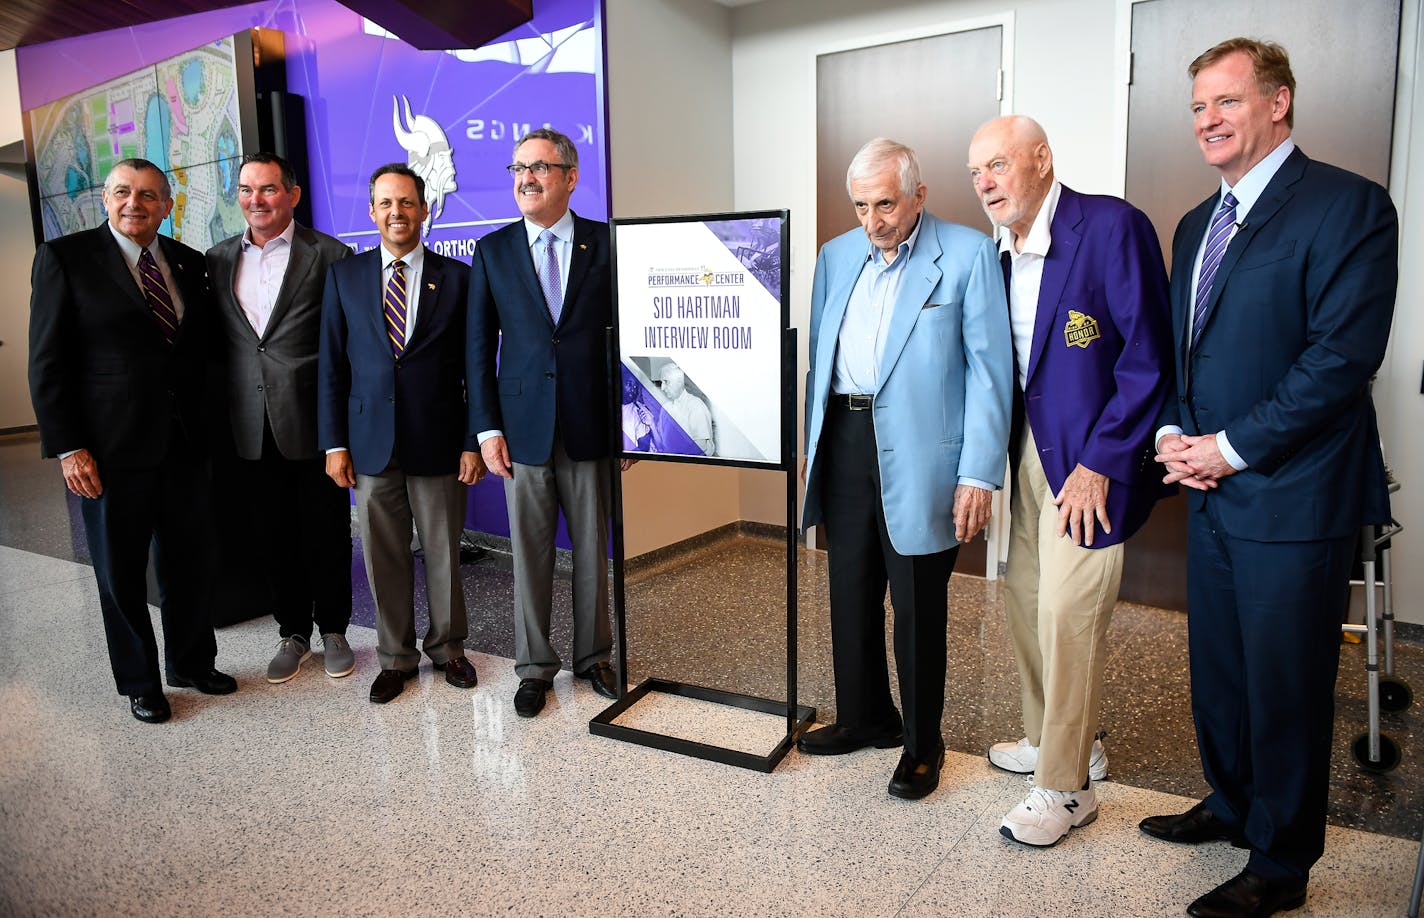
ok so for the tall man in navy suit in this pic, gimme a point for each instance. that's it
(907, 422)
(1089, 316)
(540, 294)
(1283, 285)
(268, 283)
(391, 419)
(119, 322)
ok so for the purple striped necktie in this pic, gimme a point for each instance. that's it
(155, 292)
(395, 307)
(1216, 241)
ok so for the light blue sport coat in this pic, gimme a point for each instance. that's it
(942, 409)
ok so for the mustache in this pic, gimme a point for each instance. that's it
(531, 186)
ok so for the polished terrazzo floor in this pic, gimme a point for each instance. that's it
(304, 798)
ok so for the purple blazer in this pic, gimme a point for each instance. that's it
(1101, 360)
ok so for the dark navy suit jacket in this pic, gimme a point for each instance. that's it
(1297, 323)
(545, 372)
(102, 376)
(411, 409)
(1097, 381)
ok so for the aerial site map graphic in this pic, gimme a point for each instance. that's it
(180, 113)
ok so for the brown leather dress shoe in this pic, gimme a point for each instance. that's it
(390, 683)
(459, 672)
(839, 740)
(603, 679)
(151, 708)
(1249, 895)
(529, 697)
(913, 778)
(1194, 827)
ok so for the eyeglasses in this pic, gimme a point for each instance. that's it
(539, 168)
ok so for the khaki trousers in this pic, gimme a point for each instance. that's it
(1059, 598)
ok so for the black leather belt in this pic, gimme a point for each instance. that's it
(853, 401)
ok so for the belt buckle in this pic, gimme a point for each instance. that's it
(858, 401)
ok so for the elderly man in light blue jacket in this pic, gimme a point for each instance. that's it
(907, 426)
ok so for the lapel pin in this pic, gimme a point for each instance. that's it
(582, 246)
(430, 286)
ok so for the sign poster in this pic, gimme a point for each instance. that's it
(700, 317)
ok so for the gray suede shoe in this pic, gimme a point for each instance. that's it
(291, 651)
(340, 661)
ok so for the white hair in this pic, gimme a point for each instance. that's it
(880, 153)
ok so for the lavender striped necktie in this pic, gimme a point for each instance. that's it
(549, 276)
(1216, 241)
(155, 292)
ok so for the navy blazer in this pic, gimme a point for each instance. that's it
(1296, 324)
(545, 372)
(410, 409)
(102, 375)
(1097, 382)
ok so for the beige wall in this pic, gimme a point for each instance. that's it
(17, 251)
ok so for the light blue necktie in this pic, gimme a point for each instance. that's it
(549, 276)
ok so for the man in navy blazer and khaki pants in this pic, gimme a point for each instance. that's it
(907, 421)
(541, 296)
(1090, 320)
(1283, 286)
(391, 419)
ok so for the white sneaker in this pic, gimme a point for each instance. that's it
(1045, 816)
(1022, 758)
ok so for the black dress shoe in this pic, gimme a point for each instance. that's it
(1249, 895)
(211, 682)
(913, 778)
(602, 678)
(151, 709)
(838, 740)
(529, 697)
(459, 672)
(1197, 825)
(390, 683)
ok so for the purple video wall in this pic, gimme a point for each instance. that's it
(372, 99)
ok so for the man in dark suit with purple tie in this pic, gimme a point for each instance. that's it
(1283, 285)
(391, 420)
(1088, 314)
(119, 325)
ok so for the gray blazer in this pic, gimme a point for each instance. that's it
(275, 375)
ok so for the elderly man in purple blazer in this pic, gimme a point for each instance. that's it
(1089, 315)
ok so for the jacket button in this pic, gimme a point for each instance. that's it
(261, 348)
(549, 375)
(556, 340)
(391, 398)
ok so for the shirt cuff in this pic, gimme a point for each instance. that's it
(488, 435)
(337, 449)
(1230, 455)
(68, 453)
(1163, 431)
(976, 483)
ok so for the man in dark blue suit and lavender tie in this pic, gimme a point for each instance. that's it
(391, 419)
(541, 296)
(1089, 316)
(1283, 285)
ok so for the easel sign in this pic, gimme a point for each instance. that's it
(703, 347)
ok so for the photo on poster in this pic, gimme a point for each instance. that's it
(700, 325)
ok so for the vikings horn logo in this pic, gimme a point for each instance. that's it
(428, 154)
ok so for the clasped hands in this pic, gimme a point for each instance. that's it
(1195, 462)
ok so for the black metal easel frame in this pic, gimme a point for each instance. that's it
(798, 717)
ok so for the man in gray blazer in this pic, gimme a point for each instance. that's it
(268, 285)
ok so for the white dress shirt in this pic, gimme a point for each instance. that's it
(861, 339)
(133, 251)
(259, 275)
(1026, 277)
(414, 267)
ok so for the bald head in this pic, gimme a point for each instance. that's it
(1011, 166)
